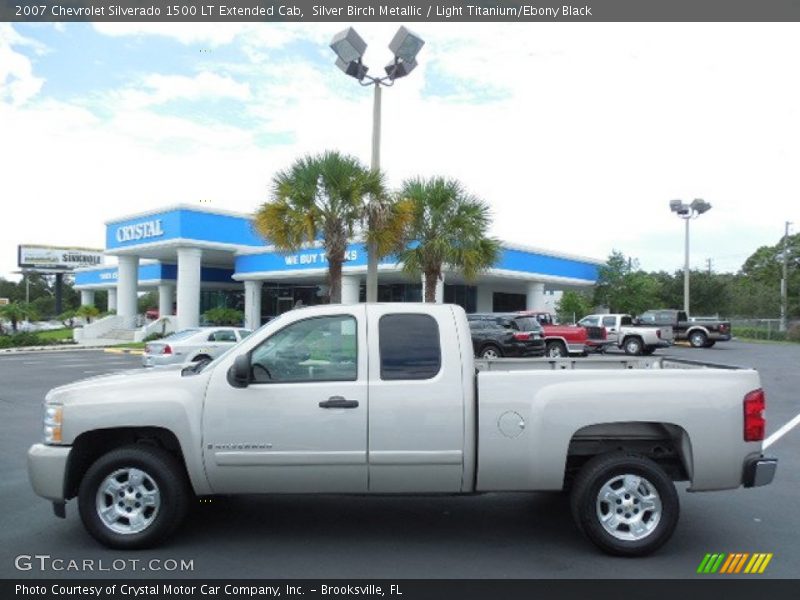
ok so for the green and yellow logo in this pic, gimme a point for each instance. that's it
(736, 562)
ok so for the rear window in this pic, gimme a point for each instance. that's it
(527, 324)
(409, 347)
(181, 335)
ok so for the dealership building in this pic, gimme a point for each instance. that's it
(198, 258)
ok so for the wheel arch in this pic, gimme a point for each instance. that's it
(91, 445)
(667, 444)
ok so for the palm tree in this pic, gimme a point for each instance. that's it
(88, 312)
(16, 312)
(450, 229)
(321, 196)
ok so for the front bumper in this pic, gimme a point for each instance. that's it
(47, 469)
(759, 471)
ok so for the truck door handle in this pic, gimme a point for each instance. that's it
(338, 402)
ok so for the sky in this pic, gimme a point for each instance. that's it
(576, 134)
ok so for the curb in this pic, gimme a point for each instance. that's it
(134, 351)
(64, 348)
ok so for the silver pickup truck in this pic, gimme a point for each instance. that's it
(388, 399)
(633, 339)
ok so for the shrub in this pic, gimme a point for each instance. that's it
(153, 336)
(793, 334)
(25, 338)
(224, 316)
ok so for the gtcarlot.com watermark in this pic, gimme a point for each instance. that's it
(48, 563)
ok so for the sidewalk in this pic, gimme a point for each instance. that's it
(96, 344)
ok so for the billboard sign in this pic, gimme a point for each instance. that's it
(54, 258)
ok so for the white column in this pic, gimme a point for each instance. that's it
(252, 304)
(485, 298)
(87, 297)
(351, 288)
(166, 299)
(535, 297)
(439, 293)
(189, 260)
(127, 286)
(112, 299)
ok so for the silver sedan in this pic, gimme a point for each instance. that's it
(192, 345)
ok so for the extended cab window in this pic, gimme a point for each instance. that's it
(611, 321)
(317, 349)
(409, 347)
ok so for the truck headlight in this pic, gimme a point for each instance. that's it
(53, 416)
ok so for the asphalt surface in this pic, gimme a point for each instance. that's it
(487, 536)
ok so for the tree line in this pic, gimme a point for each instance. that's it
(752, 292)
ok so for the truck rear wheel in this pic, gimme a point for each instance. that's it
(697, 339)
(556, 349)
(633, 346)
(625, 504)
(133, 497)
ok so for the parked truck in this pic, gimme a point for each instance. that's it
(388, 399)
(699, 334)
(633, 339)
(568, 340)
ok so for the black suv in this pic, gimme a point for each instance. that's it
(499, 334)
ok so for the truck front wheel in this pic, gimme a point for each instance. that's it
(133, 497)
(625, 504)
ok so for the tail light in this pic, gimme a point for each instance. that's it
(165, 349)
(754, 422)
(522, 337)
(723, 328)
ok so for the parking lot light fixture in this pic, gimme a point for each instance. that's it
(350, 48)
(687, 212)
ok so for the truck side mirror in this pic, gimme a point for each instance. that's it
(239, 373)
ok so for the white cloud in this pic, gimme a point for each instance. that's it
(585, 134)
(17, 82)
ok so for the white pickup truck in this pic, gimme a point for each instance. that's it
(634, 339)
(388, 399)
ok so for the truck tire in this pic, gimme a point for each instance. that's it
(133, 497)
(709, 343)
(697, 339)
(625, 504)
(491, 351)
(555, 349)
(633, 346)
(648, 351)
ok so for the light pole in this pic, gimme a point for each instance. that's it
(784, 280)
(349, 48)
(687, 212)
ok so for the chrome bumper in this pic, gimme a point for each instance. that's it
(759, 471)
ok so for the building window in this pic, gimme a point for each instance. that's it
(502, 302)
(466, 296)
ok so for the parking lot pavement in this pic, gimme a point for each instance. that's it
(487, 536)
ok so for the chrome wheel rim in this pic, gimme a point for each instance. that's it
(629, 507)
(128, 501)
(555, 352)
(633, 347)
(490, 353)
(697, 339)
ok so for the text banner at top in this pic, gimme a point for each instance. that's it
(405, 11)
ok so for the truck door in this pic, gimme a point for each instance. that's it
(301, 423)
(416, 413)
(612, 328)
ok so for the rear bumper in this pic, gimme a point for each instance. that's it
(47, 468)
(759, 471)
